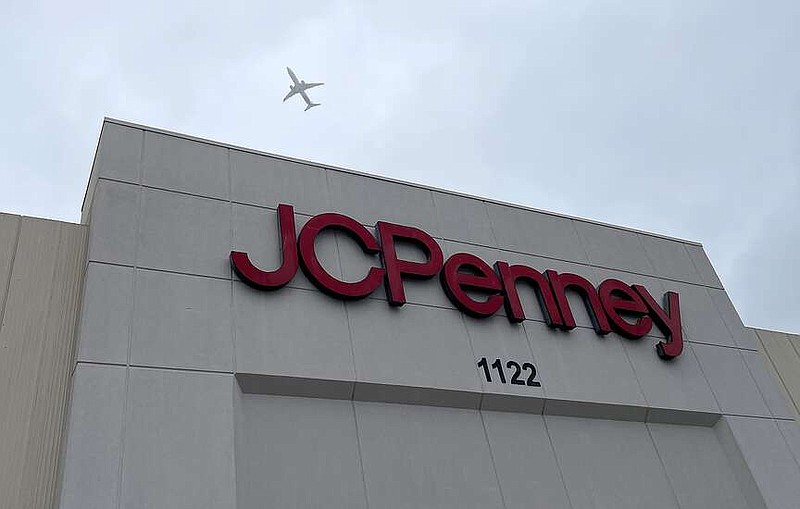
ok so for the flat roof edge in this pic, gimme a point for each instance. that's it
(350, 171)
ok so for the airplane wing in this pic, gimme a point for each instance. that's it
(291, 75)
(312, 85)
(290, 94)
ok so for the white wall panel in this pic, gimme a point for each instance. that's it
(609, 464)
(419, 456)
(775, 395)
(185, 234)
(178, 164)
(106, 314)
(786, 360)
(179, 448)
(119, 153)
(698, 469)
(614, 248)
(535, 233)
(300, 333)
(669, 259)
(733, 386)
(369, 200)
(463, 219)
(743, 337)
(580, 365)
(297, 452)
(701, 319)
(182, 321)
(413, 345)
(526, 466)
(94, 444)
(675, 384)
(269, 181)
(113, 223)
(703, 265)
(769, 459)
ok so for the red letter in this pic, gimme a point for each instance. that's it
(260, 279)
(396, 269)
(481, 278)
(510, 275)
(616, 296)
(314, 270)
(668, 320)
(560, 283)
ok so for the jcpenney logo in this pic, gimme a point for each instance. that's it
(470, 283)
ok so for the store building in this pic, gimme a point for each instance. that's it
(255, 331)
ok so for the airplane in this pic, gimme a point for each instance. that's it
(300, 87)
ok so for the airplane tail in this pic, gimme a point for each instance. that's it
(311, 105)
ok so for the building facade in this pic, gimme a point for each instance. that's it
(257, 331)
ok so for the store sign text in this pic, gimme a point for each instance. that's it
(469, 282)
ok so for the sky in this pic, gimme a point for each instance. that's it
(675, 117)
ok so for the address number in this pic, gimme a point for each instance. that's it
(524, 374)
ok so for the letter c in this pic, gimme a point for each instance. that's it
(314, 270)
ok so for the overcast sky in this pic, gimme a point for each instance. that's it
(677, 117)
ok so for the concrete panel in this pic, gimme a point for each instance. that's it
(496, 338)
(269, 181)
(670, 259)
(703, 265)
(412, 345)
(255, 232)
(113, 223)
(586, 450)
(769, 460)
(369, 200)
(179, 164)
(775, 395)
(786, 361)
(698, 469)
(23, 343)
(94, 445)
(50, 377)
(416, 456)
(463, 219)
(537, 233)
(185, 234)
(106, 314)
(300, 333)
(297, 452)
(179, 445)
(580, 365)
(791, 433)
(613, 248)
(744, 337)
(676, 384)
(119, 153)
(733, 386)
(701, 319)
(182, 321)
(9, 232)
(526, 466)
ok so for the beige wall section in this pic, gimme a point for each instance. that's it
(783, 353)
(41, 274)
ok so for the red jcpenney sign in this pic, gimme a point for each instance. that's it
(470, 283)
